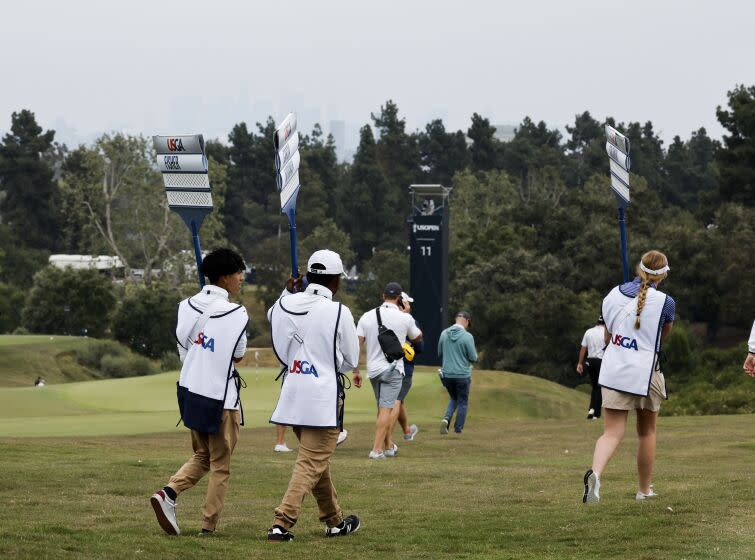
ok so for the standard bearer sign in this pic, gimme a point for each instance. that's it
(183, 163)
(617, 148)
(287, 161)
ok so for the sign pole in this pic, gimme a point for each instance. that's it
(624, 247)
(197, 251)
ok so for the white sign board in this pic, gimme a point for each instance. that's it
(183, 163)
(287, 160)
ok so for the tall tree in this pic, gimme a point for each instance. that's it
(28, 193)
(586, 147)
(485, 147)
(736, 161)
(442, 154)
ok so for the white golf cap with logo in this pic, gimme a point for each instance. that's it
(325, 261)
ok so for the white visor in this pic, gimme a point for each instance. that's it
(325, 261)
(654, 272)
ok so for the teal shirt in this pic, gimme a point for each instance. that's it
(456, 348)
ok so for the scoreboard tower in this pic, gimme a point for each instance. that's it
(428, 272)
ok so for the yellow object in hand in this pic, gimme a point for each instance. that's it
(408, 351)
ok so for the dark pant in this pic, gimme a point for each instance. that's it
(596, 396)
(458, 390)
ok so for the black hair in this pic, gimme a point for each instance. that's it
(322, 279)
(222, 262)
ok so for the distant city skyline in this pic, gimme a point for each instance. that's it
(204, 68)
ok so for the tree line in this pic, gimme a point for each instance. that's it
(534, 242)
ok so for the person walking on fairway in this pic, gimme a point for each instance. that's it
(384, 330)
(593, 344)
(410, 351)
(315, 339)
(211, 335)
(638, 317)
(456, 349)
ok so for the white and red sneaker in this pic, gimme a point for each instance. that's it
(165, 511)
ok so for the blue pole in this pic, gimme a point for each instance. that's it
(292, 236)
(624, 248)
(197, 251)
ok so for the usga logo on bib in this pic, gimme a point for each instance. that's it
(303, 367)
(625, 342)
(208, 343)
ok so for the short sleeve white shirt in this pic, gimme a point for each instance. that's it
(594, 341)
(393, 318)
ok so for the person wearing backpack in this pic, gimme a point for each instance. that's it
(384, 330)
(457, 350)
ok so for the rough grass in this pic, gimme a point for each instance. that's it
(24, 357)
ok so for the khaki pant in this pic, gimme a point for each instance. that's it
(212, 452)
(311, 474)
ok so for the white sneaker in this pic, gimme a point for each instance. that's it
(282, 448)
(413, 429)
(590, 414)
(592, 488)
(165, 511)
(391, 452)
(342, 437)
(639, 496)
(444, 426)
(377, 455)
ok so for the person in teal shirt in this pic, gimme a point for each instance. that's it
(457, 350)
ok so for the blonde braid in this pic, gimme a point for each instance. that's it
(653, 260)
(641, 299)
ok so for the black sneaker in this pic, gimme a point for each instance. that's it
(349, 525)
(206, 533)
(276, 533)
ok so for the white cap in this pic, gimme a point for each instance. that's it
(325, 261)
(407, 297)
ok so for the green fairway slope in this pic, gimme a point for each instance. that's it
(142, 405)
(24, 357)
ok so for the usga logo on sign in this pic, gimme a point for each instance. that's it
(625, 342)
(303, 367)
(176, 145)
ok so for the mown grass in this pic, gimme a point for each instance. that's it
(509, 487)
(504, 489)
(148, 404)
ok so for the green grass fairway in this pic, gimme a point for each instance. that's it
(24, 357)
(140, 405)
(506, 489)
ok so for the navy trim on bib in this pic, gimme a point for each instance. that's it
(280, 302)
(192, 306)
(226, 313)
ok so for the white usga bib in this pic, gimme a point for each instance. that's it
(208, 366)
(630, 356)
(306, 345)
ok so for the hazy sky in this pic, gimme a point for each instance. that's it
(168, 67)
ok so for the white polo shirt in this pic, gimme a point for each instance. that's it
(393, 318)
(751, 343)
(594, 340)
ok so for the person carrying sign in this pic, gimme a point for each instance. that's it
(638, 317)
(211, 335)
(315, 340)
(384, 330)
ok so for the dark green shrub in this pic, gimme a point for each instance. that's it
(170, 361)
(91, 355)
(126, 366)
